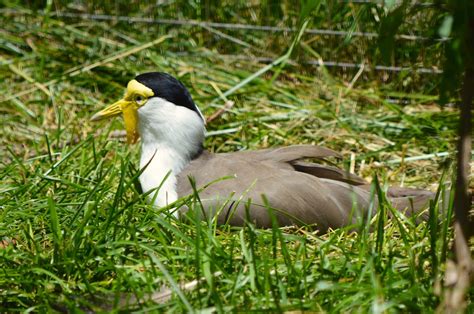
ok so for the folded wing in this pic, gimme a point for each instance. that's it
(279, 181)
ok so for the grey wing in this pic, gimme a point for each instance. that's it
(261, 184)
(298, 192)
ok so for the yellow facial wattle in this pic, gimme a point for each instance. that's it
(130, 118)
(136, 96)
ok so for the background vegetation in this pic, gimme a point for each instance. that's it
(76, 232)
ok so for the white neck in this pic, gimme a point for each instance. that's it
(171, 136)
(162, 165)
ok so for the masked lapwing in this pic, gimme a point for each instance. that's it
(254, 185)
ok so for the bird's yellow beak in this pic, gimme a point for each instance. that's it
(129, 109)
(136, 95)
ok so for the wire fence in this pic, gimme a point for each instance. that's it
(318, 63)
(234, 26)
(265, 28)
(381, 2)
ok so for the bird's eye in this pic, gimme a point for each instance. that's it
(139, 100)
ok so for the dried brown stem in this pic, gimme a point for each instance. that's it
(227, 106)
(459, 274)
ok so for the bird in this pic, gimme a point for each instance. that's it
(285, 185)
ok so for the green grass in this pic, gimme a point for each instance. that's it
(82, 236)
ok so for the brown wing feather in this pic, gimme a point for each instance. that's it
(298, 192)
(328, 172)
(297, 152)
(296, 197)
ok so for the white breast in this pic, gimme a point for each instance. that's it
(171, 136)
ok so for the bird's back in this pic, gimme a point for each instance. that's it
(250, 185)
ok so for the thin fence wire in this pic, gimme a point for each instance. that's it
(381, 2)
(376, 67)
(234, 26)
(318, 63)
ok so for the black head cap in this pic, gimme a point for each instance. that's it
(167, 87)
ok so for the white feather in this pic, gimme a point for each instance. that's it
(170, 135)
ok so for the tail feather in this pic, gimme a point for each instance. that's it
(413, 202)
